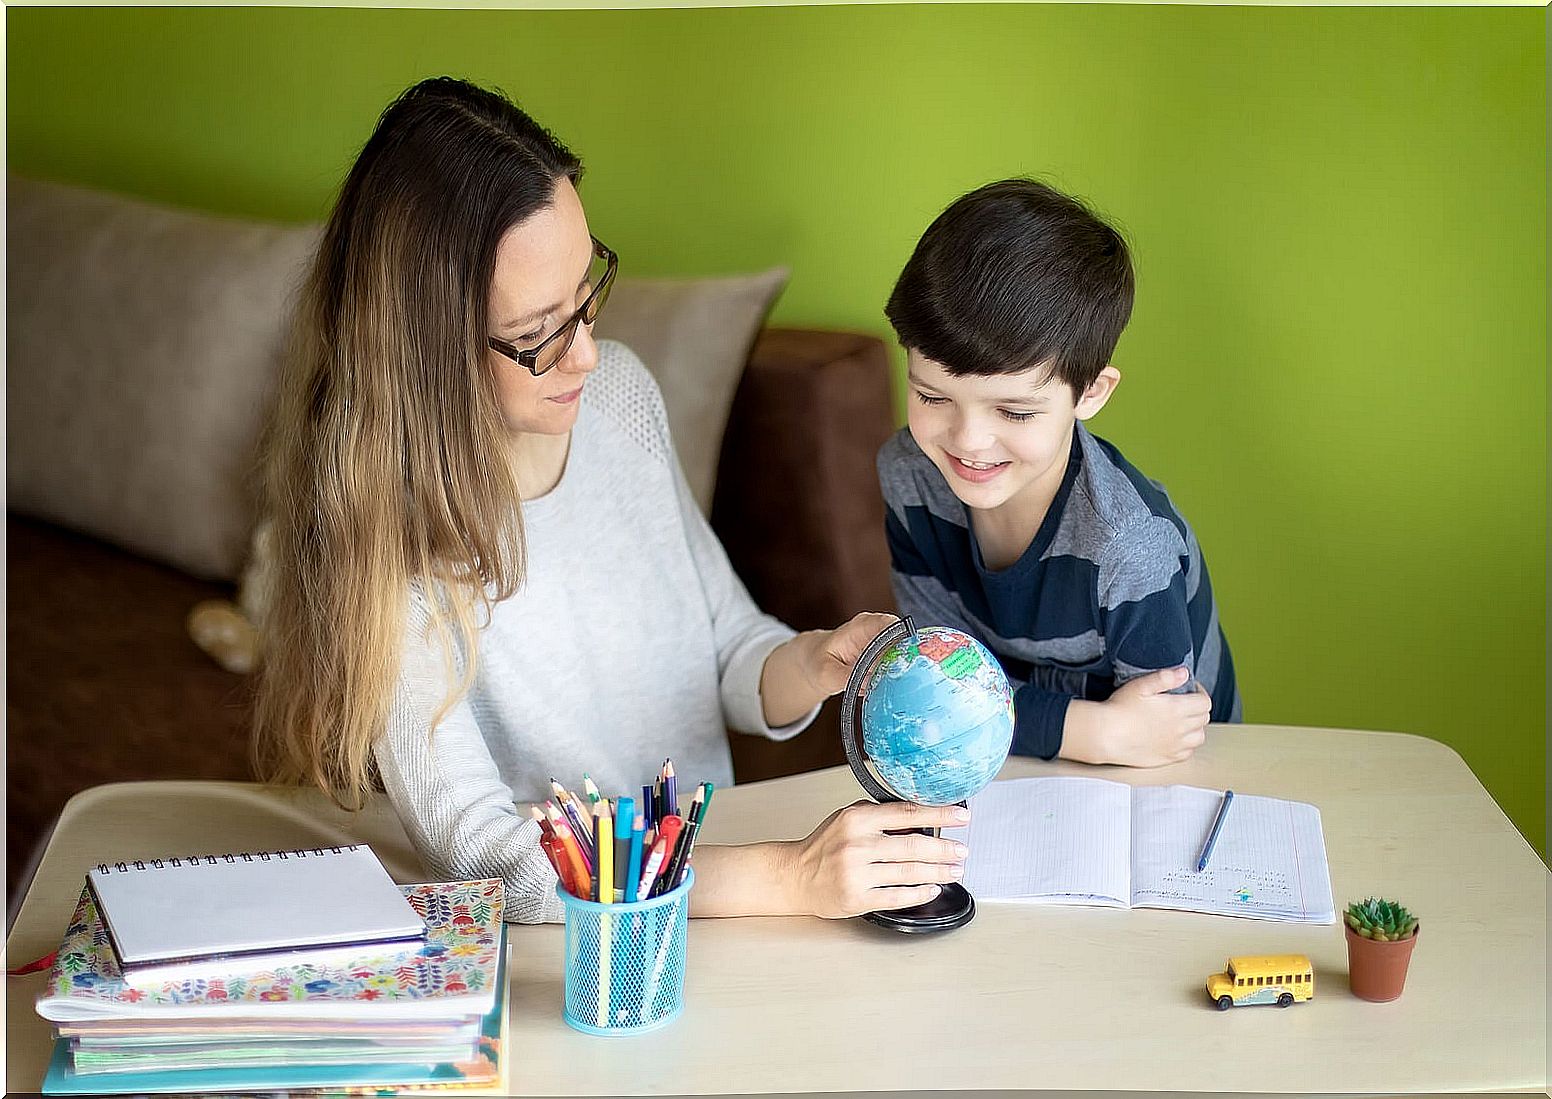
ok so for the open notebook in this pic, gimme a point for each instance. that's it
(1069, 840)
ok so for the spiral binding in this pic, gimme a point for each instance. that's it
(192, 861)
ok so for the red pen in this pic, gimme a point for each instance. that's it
(669, 837)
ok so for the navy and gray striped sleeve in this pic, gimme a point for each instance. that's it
(1142, 600)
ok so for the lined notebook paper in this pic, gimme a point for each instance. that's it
(163, 912)
(1070, 840)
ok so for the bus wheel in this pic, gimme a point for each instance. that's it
(1285, 1000)
(1225, 1002)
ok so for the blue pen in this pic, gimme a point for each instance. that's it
(1217, 826)
(647, 805)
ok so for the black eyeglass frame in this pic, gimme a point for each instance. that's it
(586, 314)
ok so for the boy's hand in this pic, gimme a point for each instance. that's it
(833, 653)
(1141, 724)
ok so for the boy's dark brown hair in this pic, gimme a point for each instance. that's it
(1016, 275)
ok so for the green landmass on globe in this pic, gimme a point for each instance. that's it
(937, 716)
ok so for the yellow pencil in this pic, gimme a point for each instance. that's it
(603, 828)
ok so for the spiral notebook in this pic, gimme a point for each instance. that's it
(164, 913)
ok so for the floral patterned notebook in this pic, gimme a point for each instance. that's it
(483, 1070)
(452, 974)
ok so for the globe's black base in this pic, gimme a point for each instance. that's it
(954, 907)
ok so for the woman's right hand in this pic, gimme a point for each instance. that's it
(850, 864)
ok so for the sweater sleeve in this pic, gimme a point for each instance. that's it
(1142, 601)
(445, 787)
(744, 635)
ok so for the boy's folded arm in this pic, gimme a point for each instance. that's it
(1146, 628)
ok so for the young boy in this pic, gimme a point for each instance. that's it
(1009, 520)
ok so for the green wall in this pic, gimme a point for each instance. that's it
(1337, 362)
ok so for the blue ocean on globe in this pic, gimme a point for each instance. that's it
(937, 716)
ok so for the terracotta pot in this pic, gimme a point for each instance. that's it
(1377, 970)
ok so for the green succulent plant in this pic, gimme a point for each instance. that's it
(1381, 920)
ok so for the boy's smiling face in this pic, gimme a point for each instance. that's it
(999, 438)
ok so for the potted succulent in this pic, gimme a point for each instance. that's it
(1380, 937)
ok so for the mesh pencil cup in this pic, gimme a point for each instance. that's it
(625, 962)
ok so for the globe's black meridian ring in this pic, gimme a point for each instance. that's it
(851, 730)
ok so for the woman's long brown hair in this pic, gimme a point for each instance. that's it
(385, 456)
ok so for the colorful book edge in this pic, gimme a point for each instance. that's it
(313, 1081)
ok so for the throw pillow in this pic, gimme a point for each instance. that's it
(142, 345)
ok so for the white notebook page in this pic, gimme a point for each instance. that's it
(1269, 861)
(1049, 839)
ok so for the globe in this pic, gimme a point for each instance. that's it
(936, 715)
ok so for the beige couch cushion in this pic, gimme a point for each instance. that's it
(141, 345)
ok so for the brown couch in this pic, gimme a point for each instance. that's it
(105, 685)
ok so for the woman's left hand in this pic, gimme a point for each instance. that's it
(833, 653)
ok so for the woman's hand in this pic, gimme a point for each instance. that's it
(850, 864)
(804, 671)
(833, 653)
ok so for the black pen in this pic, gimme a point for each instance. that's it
(681, 859)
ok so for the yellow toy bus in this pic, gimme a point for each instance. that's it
(1281, 979)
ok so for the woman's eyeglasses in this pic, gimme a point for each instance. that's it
(553, 347)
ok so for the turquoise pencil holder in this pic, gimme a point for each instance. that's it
(625, 962)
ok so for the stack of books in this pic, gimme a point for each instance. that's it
(407, 1014)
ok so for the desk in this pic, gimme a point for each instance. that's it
(1051, 997)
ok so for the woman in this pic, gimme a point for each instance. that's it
(488, 569)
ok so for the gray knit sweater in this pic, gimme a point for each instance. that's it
(630, 640)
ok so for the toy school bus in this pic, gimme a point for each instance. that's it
(1280, 979)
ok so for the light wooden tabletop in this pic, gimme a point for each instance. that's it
(1027, 996)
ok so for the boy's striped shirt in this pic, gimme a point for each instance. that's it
(1113, 585)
